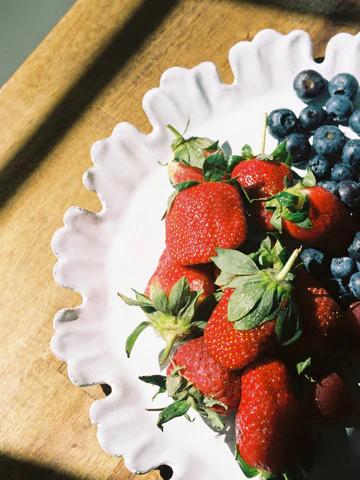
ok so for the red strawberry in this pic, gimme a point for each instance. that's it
(178, 173)
(242, 326)
(233, 348)
(171, 300)
(211, 379)
(313, 216)
(204, 217)
(195, 380)
(322, 319)
(261, 179)
(268, 418)
(168, 272)
(331, 397)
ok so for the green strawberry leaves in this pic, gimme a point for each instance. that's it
(262, 289)
(234, 262)
(131, 339)
(171, 316)
(292, 204)
(246, 152)
(190, 151)
(280, 154)
(215, 167)
(302, 366)
(176, 409)
(185, 396)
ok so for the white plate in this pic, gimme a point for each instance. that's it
(101, 254)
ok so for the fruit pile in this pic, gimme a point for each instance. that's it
(243, 295)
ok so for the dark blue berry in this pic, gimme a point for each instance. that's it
(342, 171)
(311, 117)
(351, 153)
(298, 145)
(329, 185)
(344, 84)
(340, 291)
(339, 108)
(314, 261)
(328, 140)
(354, 284)
(354, 249)
(309, 85)
(354, 121)
(282, 122)
(342, 267)
(349, 193)
(320, 166)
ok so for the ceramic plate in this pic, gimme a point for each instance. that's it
(102, 253)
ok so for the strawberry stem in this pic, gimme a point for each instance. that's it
(175, 132)
(264, 135)
(169, 344)
(288, 265)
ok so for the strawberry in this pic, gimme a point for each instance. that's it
(168, 272)
(233, 348)
(201, 218)
(179, 172)
(256, 304)
(261, 179)
(322, 319)
(171, 300)
(189, 157)
(195, 380)
(268, 427)
(313, 216)
(331, 397)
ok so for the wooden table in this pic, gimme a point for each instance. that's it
(88, 74)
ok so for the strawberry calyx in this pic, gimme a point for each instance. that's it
(172, 317)
(292, 204)
(262, 291)
(191, 151)
(295, 472)
(185, 396)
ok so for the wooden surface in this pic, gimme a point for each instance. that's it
(88, 74)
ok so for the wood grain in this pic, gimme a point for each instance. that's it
(71, 91)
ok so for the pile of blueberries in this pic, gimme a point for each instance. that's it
(342, 274)
(333, 158)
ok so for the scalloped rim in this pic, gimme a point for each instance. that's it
(79, 244)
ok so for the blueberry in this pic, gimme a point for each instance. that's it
(281, 122)
(340, 291)
(354, 249)
(320, 166)
(342, 171)
(354, 284)
(329, 185)
(342, 267)
(297, 144)
(344, 84)
(349, 192)
(351, 153)
(339, 108)
(311, 117)
(309, 85)
(354, 121)
(314, 261)
(328, 140)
